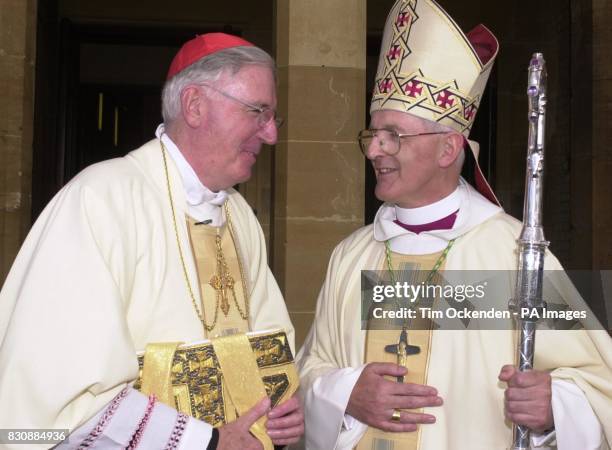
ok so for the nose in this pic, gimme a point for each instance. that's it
(374, 149)
(269, 133)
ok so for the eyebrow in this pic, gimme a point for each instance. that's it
(388, 127)
(263, 105)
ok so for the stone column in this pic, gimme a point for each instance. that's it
(17, 57)
(319, 171)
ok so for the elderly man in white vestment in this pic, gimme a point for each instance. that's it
(155, 253)
(459, 390)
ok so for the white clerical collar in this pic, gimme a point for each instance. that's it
(474, 209)
(202, 203)
(429, 213)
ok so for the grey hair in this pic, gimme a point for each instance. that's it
(435, 127)
(210, 69)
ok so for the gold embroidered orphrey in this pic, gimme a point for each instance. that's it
(403, 349)
(222, 280)
(198, 386)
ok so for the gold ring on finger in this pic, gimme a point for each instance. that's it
(395, 417)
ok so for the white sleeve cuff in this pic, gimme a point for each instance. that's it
(119, 427)
(325, 406)
(349, 380)
(349, 422)
(539, 440)
(196, 436)
(576, 425)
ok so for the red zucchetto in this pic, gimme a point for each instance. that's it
(203, 45)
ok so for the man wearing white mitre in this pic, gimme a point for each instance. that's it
(458, 388)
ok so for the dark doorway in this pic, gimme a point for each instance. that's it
(98, 94)
(111, 120)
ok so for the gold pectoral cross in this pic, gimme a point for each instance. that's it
(221, 282)
(402, 350)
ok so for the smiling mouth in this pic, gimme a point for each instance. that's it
(384, 170)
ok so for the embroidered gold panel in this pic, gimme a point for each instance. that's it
(197, 381)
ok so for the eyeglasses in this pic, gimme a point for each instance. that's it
(264, 114)
(387, 140)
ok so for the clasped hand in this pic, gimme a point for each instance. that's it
(285, 425)
(374, 399)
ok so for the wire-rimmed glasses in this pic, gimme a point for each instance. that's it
(387, 140)
(264, 114)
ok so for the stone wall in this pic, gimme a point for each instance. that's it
(17, 56)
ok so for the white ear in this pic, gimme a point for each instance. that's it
(192, 104)
(452, 146)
